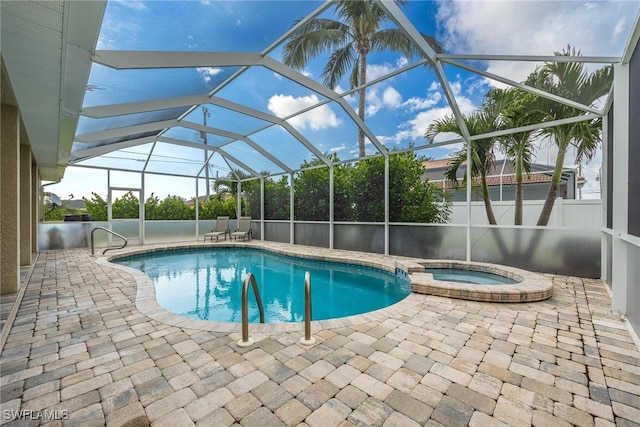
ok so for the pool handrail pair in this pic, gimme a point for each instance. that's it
(246, 341)
(307, 339)
(110, 232)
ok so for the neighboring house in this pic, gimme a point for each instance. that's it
(76, 204)
(190, 202)
(501, 181)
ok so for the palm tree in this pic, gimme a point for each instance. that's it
(482, 157)
(572, 81)
(358, 31)
(511, 106)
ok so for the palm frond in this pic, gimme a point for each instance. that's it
(392, 39)
(339, 63)
(354, 79)
(586, 138)
(597, 85)
(444, 124)
(315, 37)
(451, 173)
(362, 11)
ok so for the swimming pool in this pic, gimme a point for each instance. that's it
(206, 283)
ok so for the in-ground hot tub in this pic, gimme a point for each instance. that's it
(518, 285)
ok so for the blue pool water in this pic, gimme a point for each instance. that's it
(207, 284)
(469, 276)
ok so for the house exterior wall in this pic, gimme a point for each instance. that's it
(9, 189)
(621, 216)
(26, 205)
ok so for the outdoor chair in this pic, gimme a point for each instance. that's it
(244, 228)
(222, 228)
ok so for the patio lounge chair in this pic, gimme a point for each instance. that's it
(222, 228)
(244, 228)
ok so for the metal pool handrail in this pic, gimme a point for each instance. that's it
(307, 339)
(246, 341)
(111, 232)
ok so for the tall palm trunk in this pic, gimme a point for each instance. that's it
(361, 96)
(517, 220)
(518, 161)
(487, 200)
(545, 214)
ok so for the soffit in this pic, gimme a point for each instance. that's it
(46, 49)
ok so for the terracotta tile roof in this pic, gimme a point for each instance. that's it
(436, 164)
(508, 178)
(533, 178)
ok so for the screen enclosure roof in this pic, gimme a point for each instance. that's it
(192, 87)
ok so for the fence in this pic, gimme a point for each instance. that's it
(566, 213)
(571, 250)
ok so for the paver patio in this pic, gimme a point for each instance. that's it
(81, 352)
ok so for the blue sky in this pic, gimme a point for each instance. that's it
(398, 109)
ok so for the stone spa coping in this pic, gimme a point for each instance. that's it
(530, 287)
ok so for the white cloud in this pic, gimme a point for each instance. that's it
(533, 28)
(373, 102)
(375, 71)
(113, 31)
(465, 104)
(132, 4)
(416, 103)
(305, 73)
(317, 119)
(207, 73)
(191, 43)
(338, 88)
(378, 70)
(537, 28)
(427, 110)
(391, 97)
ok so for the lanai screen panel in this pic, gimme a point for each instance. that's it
(218, 167)
(269, 92)
(283, 145)
(529, 28)
(251, 157)
(330, 130)
(193, 136)
(89, 124)
(226, 119)
(110, 86)
(176, 160)
(400, 108)
(131, 158)
(127, 140)
(213, 25)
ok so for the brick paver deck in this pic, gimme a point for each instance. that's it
(81, 352)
